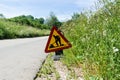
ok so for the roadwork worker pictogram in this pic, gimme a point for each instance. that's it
(57, 41)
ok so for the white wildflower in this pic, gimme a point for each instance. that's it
(104, 33)
(106, 19)
(97, 44)
(115, 49)
(113, 40)
(83, 39)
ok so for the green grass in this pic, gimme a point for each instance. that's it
(48, 68)
(9, 30)
(96, 43)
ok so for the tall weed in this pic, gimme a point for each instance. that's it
(96, 42)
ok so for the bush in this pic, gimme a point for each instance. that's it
(9, 30)
(96, 43)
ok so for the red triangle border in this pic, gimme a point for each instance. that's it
(57, 49)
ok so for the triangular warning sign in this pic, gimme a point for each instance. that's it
(56, 41)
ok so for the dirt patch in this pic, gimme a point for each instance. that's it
(56, 70)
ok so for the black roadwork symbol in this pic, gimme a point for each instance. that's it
(57, 41)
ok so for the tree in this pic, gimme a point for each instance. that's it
(30, 21)
(30, 17)
(2, 16)
(75, 16)
(53, 21)
(41, 20)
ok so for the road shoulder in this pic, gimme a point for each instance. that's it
(56, 70)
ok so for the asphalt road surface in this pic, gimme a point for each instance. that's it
(20, 59)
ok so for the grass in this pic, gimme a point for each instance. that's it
(9, 30)
(96, 42)
(48, 69)
(51, 70)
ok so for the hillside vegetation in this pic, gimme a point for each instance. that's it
(95, 37)
(25, 26)
(9, 30)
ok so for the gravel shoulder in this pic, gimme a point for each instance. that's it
(56, 70)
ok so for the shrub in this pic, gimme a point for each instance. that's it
(96, 42)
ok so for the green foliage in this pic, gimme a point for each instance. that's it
(2, 16)
(30, 17)
(9, 30)
(29, 20)
(53, 21)
(41, 20)
(75, 16)
(96, 42)
(48, 69)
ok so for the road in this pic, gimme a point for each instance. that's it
(20, 59)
